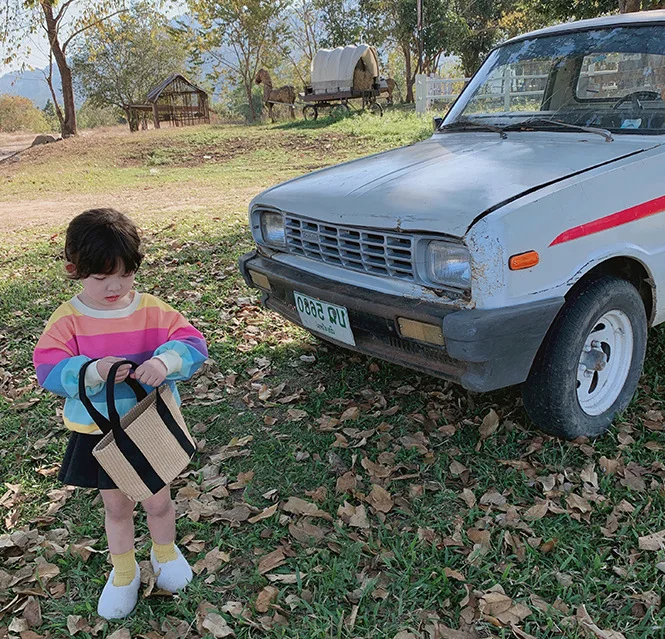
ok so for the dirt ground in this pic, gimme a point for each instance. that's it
(20, 213)
(10, 143)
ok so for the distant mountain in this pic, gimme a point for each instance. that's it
(30, 84)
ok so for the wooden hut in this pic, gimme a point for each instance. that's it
(175, 100)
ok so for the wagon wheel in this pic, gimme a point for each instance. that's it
(376, 109)
(339, 111)
(310, 112)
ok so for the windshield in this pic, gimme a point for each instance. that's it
(608, 78)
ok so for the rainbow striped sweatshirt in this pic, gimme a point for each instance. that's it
(146, 328)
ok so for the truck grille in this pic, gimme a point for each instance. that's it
(373, 252)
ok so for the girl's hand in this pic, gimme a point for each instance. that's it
(151, 373)
(104, 366)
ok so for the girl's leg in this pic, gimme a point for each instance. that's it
(119, 521)
(172, 570)
(121, 591)
(160, 514)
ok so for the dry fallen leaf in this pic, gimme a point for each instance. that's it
(306, 532)
(379, 499)
(353, 515)
(346, 483)
(217, 626)
(584, 620)
(265, 514)
(265, 598)
(271, 561)
(489, 426)
(212, 562)
(76, 623)
(32, 613)
(298, 506)
(654, 541)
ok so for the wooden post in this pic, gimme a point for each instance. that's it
(155, 115)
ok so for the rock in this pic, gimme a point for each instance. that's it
(43, 139)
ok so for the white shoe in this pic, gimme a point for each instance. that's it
(173, 575)
(116, 602)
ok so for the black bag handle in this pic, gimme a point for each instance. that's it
(139, 391)
(111, 423)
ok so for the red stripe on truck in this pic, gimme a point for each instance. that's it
(652, 207)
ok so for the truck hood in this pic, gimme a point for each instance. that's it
(441, 185)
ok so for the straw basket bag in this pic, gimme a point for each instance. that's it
(149, 446)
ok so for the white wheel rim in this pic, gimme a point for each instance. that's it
(605, 362)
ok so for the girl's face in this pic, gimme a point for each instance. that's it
(108, 292)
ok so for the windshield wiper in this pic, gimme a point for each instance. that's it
(545, 123)
(468, 125)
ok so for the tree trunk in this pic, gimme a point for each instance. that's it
(630, 6)
(56, 105)
(252, 111)
(410, 79)
(132, 119)
(68, 126)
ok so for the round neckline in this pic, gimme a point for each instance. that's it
(103, 313)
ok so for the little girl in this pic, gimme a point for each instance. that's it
(110, 321)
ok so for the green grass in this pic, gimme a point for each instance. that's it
(396, 574)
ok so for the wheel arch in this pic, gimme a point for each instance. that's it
(629, 269)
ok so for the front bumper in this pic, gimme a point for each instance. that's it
(483, 349)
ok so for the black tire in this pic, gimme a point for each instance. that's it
(376, 109)
(339, 111)
(310, 112)
(550, 393)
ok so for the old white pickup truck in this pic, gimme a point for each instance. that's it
(523, 243)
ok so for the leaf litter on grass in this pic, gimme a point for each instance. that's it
(332, 491)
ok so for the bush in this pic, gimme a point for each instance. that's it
(233, 104)
(91, 117)
(20, 114)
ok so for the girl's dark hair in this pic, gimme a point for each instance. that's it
(101, 240)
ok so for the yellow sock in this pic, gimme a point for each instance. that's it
(164, 552)
(125, 568)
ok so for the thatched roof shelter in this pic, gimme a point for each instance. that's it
(178, 101)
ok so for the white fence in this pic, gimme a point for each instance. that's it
(503, 87)
(432, 88)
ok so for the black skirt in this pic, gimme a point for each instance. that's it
(80, 468)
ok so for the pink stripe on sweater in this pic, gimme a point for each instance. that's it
(119, 343)
(49, 356)
(151, 316)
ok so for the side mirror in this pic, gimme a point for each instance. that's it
(436, 122)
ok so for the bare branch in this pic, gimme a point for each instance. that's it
(63, 10)
(89, 26)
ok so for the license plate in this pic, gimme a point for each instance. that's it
(321, 317)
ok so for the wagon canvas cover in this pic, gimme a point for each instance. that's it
(332, 69)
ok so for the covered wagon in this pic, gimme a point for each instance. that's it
(340, 75)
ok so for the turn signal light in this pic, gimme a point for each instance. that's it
(420, 330)
(260, 280)
(524, 260)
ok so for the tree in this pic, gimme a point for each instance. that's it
(21, 19)
(121, 60)
(422, 47)
(305, 34)
(20, 114)
(50, 115)
(250, 30)
(564, 10)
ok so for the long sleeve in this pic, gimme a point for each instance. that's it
(186, 343)
(58, 364)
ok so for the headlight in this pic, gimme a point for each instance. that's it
(449, 265)
(272, 229)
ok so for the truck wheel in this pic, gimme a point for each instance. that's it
(589, 364)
